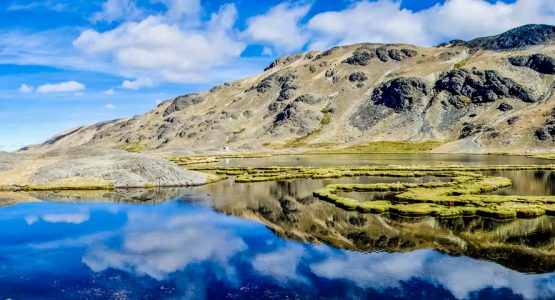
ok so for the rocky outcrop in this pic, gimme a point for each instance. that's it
(464, 87)
(183, 102)
(358, 77)
(364, 55)
(297, 117)
(520, 37)
(401, 93)
(537, 62)
(120, 168)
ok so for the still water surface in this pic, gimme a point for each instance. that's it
(269, 240)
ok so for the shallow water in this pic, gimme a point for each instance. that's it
(406, 159)
(268, 240)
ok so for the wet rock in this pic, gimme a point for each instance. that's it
(478, 86)
(401, 93)
(505, 107)
(183, 102)
(358, 77)
(537, 62)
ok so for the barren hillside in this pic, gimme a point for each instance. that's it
(491, 94)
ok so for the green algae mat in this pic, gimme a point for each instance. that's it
(465, 194)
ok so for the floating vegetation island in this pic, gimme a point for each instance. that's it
(466, 194)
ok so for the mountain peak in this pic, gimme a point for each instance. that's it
(516, 38)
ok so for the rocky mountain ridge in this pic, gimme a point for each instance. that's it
(492, 94)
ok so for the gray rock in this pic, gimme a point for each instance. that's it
(537, 62)
(183, 102)
(382, 54)
(361, 57)
(358, 77)
(308, 99)
(122, 168)
(401, 93)
(520, 37)
(505, 107)
(479, 87)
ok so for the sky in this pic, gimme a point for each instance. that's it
(66, 63)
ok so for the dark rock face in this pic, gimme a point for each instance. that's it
(505, 107)
(547, 132)
(264, 86)
(512, 120)
(288, 86)
(537, 62)
(182, 102)
(400, 93)
(298, 118)
(520, 37)
(308, 99)
(358, 77)
(360, 58)
(470, 129)
(465, 87)
(382, 54)
(363, 56)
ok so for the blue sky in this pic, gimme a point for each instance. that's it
(64, 63)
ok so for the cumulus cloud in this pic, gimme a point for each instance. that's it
(109, 92)
(178, 9)
(76, 218)
(158, 247)
(25, 89)
(115, 10)
(280, 27)
(385, 21)
(460, 275)
(282, 264)
(62, 87)
(110, 106)
(169, 51)
(137, 83)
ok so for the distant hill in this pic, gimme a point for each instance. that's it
(491, 94)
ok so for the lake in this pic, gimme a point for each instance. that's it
(272, 240)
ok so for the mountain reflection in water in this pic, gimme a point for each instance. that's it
(182, 250)
(205, 245)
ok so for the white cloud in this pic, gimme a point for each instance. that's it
(68, 86)
(110, 106)
(280, 27)
(281, 264)
(50, 5)
(384, 21)
(160, 245)
(137, 83)
(187, 10)
(25, 89)
(76, 218)
(109, 92)
(459, 275)
(166, 50)
(115, 10)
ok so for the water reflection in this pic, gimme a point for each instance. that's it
(406, 159)
(289, 209)
(182, 250)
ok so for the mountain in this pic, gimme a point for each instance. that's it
(492, 94)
